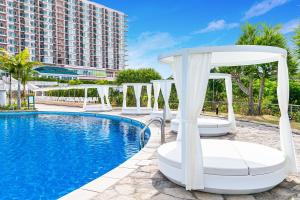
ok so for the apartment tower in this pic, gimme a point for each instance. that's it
(79, 34)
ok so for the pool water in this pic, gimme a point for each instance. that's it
(45, 156)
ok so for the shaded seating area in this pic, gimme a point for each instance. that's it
(137, 109)
(163, 86)
(224, 166)
(100, 103)
(212, 126)
(103, 93)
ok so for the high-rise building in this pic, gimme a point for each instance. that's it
(83, 36)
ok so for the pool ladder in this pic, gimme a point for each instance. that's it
(161, 121)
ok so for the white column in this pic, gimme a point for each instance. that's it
(149, 89)
(124, 95)
(231, 117)
(286, 137)
(166, 86)
(192, 88)
(101, 94)
(106, 95)
(137, 92)
(2, 98)
(85, 98)
(156, 88)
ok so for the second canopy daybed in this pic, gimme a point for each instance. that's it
(138, 109)
(213, 126)
(224, 166)
(104, 106)
(165, 87)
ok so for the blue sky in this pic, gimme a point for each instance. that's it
(159, 26)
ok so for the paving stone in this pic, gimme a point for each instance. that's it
(107, 194)
(124, 189)
(146, 182)
(179, 193)
(264, 196)
(164, 197)
(239, 197)
(205, 196)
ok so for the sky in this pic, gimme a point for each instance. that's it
(160, 26)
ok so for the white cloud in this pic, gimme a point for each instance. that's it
(263, 7)
(143, 51)
(290, 26)
(217, 25)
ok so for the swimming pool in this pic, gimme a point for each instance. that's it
(46, 155)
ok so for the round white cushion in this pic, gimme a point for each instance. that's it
(229, 158)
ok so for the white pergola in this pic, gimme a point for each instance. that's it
(102, 90)
(138, 109)
(165, 87)
(224, 166)
(214, 126)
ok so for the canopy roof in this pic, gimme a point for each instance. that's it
(133, 84)
(82, 86)
(232, 55)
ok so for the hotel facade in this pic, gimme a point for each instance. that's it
(83, 37)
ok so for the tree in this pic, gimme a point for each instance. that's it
(296, 39)
(23, 67)
(27, 73)
(260, 34)
(6, 64)
(250, 34)
(144, 75)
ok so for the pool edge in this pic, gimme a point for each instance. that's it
(110, 178)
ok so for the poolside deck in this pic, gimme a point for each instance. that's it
(144, 181)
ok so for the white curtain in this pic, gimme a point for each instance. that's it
(286, 137)
(101, 95)
(231, 117)
(124, 95)
(137, 92)
(85, 98)
(149, 90)
(193, 84)
(166, 91)
(177, 68)
(156, 88)
(106, 95)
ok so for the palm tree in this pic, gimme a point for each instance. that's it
(27, 73)
(23, 67)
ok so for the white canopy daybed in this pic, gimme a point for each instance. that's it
(104, 106)
(165, 87)
(102, 90)
(137, 110)
(223, 166)
(210, 126)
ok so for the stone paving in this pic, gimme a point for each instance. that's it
(146, 182)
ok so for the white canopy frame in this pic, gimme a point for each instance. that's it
(165, 86)
(102, 90)
(216, 127)
(103, 93)
(138, 109)
(191, 68)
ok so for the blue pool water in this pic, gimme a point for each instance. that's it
(47, 155)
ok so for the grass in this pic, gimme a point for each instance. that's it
(260, 118)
